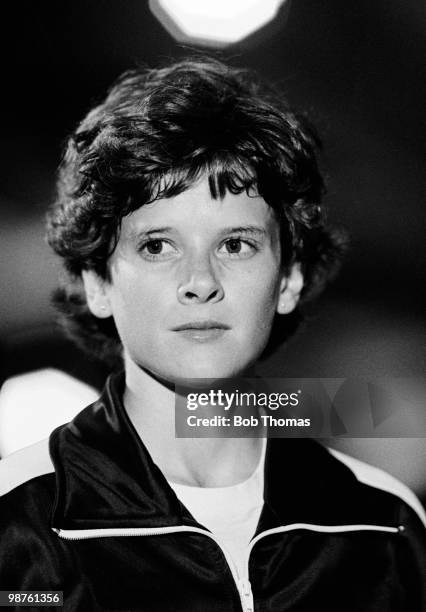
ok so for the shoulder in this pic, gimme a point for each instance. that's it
(25, 465)
(27, 496)
(382, 481)
(32, 555)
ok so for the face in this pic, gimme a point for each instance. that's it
(195, 284)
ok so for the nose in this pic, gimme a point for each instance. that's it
(200, 283)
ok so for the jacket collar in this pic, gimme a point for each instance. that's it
(106, 477)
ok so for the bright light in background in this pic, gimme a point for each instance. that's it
(215, 23)
(32, 405)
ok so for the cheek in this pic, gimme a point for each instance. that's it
(140, 307)
(258, 300)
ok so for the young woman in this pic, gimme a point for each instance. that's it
(189, 219)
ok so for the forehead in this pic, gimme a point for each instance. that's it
(195, 208)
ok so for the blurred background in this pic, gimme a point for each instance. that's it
(358, 69)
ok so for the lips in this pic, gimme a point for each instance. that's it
(201, 325)
(201, 331)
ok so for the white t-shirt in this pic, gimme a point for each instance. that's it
(230, 513)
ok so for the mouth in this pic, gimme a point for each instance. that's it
(201, 331)
(200, 325)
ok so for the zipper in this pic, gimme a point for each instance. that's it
(246, 595)
(245, 582)
(241, 582)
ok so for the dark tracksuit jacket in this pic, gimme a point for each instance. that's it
(96, 519)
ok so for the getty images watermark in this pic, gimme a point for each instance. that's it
(301, 407)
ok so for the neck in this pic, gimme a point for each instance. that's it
(208, 462)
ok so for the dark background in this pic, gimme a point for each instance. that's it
(357, 68)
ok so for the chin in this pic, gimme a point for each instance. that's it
(208, 370)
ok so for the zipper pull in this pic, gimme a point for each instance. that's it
(246, 596)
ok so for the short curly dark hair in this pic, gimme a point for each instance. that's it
(155, 134)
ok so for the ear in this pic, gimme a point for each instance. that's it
(96, 294)
(290, 289)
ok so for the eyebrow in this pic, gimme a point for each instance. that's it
(152, 230)
(253, 230)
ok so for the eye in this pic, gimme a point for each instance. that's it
(238, 248)
(157, 249)
(154, 247)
